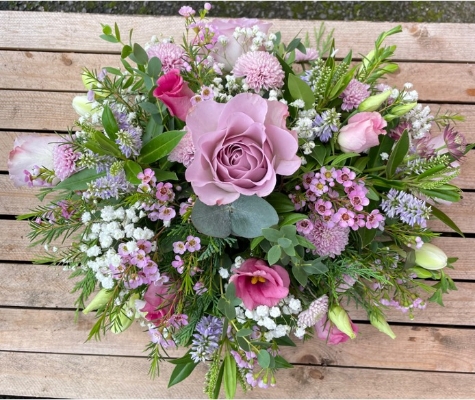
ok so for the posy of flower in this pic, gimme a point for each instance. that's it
(225, 201)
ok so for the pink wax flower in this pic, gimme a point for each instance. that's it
(327, 331)
(158, 303)
(29, 154)
(362, 132)
(228, 53)
(240, 146)
(259, 284)
(174, 93)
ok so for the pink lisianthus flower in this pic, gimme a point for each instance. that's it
(158, 303)
(30, 154)
(229, 52)
(240, 146)
(174, 92)
(362, 132)
(327, 331)
(259, 284)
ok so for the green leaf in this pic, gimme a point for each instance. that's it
(366, 235)
(106, 144)
(300, 90)
(284, 242)
(113, 71)
(305, 243)
(186, 359)
(230, 376)
(243, 343)
(293, 218)
(319, 153)
(160, 146)
(211, 220)
(446, 195)
(272, 235)
(244, 332)
(151, 108)
(140, 54)
(316, 267)
(281, 203)
(274, 254)
(79, 180)
(342, 157)
(300, 275)
(109, 123)
(180, 373)
(163, 176)
(284, 341)
(132, 169)
(109, 38)
(219, 380)
(263, 357)
(152, 130)
(126, 51)
(106, 29)
(281, 362)
(397, 155)
(154, 68)
(445, 219)
(117, 32)
(255, 242)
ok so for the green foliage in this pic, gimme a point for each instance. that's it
(159, 147)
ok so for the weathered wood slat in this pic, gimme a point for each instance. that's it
(58, 375)
(38, 111)
(451, 349)
(448, 41)
(61, 72)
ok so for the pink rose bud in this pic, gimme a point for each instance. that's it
(362, 132)
(174, 93)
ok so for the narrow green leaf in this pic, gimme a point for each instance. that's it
(163, 176)
(293, 218)
(300, 275)
(244, 332)
(109, 123)
(186, 359)
(305, 243)
(140, 54)
(109, 146)
(117, 32)
(293, 45)
(132, 169)
(149, 107)
(230, 376)
(397, 155)
(219, 380)
(340, 158)
(109, 38)
(281, 362)
(79, 180)
(445, 219)
(180, 373)
(113, 71)
(152, 130)
(255, 242)
(446, 195)
(300, 90)
(263, 357)
(284, 341)
(160, 146)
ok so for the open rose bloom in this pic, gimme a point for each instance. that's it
(240, 147)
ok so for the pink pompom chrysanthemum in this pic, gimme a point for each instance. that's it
(64, 161)
(171, 55)
(184, 152)
(260, 69)
(354, 94)
(328, 241)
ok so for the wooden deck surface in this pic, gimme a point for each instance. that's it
(42, 349)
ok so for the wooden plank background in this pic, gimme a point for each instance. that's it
(42, 349)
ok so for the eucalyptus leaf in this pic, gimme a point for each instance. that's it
(263, 357)
(272, 235)
(140, 54)
(154, 68)
(274, 254)
(244, 332)
(211, 220)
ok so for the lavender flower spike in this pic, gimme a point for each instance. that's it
(206, 340)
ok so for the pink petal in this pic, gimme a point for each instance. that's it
(203, 118)
(250, 104)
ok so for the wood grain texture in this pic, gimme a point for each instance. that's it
(62, 375)
(418, 41)
(62, 72)
(451, 349)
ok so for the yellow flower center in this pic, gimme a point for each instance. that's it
(256, 279)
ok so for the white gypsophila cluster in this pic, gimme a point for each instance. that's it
(224, 273)
(264, 316)
(251, 39)
(299, 103)
(238, 262)
(304, 128)
(303, 160)
(307, 147)
(420, 120)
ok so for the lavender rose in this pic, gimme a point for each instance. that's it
(362, 132)
(240, 146)
(259, 284)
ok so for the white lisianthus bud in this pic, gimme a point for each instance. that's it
(126, 315)
(431, 257)
(372, 103)
(100, 300)
(381, 325)
(82, 105)
(340, 318)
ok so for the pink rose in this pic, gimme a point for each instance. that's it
(29, 155)
(258, 284)
(327, 331)
(362, 132)
(174, 93)
(240, 146)
(229, 53)
(159, 303)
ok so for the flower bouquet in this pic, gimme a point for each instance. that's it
(233, 194)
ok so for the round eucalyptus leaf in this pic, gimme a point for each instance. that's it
(250, 214)
(211, 220)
